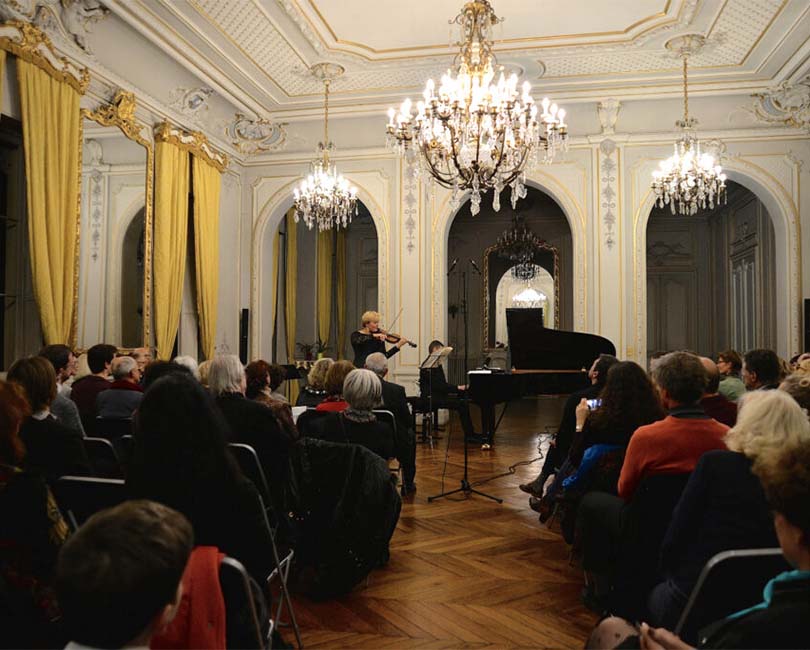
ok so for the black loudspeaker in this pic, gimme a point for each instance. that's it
(244, 325)
(806, 325)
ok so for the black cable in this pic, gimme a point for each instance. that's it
(513, 468)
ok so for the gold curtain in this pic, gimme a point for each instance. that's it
(171, 236)
(2, 73)
(325, 284)
(52, 142)
(206, 182)
(290, 305)
(340, 272)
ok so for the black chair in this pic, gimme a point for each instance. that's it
(103, 458)
(386, 416)
(112, 428)
(248, 462)
(243, 628)
(730, 582)
(124, 448)
(306, 420)
(80, 497)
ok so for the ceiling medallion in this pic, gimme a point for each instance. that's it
(471, 133)
(688, 180)
(324, 197)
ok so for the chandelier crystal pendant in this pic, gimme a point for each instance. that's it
(690, 179)
(324, 197)
(472, 133)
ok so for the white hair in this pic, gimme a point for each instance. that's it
(227, 375)
(122, 367)
(362, 389)
(377, 362)
(190, 363)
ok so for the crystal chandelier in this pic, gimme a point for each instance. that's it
(690, 178)
(325, 197)
(518, 244)
(472, 133)
(525, 271)
(530, 297)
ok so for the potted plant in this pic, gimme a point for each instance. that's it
(320, 348)
(307, 349)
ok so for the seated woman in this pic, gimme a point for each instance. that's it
(335, 376)
(260, 376)
(314, 392)
(31, 533)
(723, 506)
(729, 363)
(181, 459)
(357, 424)
(52, 449)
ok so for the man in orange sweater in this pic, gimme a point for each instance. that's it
(673, 445)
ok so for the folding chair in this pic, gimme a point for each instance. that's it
(112, 428)
(307, 418)
(238, 597)
(248, 462)
(103, 458)
(80, 497)
(386, 416)
(730, 582)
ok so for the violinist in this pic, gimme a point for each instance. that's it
(370, 338)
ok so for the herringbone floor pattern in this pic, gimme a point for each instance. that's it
(465, 573)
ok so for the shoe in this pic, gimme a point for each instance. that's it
(533, 488)
(543, 507)
(407, 490)
(486, 446)
(536, 504)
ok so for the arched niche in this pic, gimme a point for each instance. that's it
(513, 292)
(263, 261)
(785, 220)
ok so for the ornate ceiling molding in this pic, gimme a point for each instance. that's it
(255, 136)
(788, 104)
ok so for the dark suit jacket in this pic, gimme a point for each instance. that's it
(568, 421)
(394, 400)
(376, 435)
(84, 392)
(433, 379)
(53, 450)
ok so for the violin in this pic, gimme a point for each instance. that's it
(391, 337)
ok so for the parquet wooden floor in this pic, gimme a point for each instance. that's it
(465, 573)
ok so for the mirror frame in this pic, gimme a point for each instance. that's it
(121, 113)
(486, 295)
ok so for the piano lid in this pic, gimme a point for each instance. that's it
(535, 347)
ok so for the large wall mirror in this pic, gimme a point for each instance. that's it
(116, 227)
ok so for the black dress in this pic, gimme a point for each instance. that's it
(365, 344)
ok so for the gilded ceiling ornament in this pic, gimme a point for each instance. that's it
(192, 141)
(192, 102)
(256, 135)
(121, 113)
(787, 104)
(66, 20)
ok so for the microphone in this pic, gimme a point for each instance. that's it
(475, 266)
(452, 266)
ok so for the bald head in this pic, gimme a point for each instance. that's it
(713, 374)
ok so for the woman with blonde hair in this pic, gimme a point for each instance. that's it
(723, 506)
(314, 392)
(369, 339)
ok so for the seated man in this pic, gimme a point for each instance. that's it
(394, 400)
(85, 390)
(125, 393)
(446, 395)
(118, 577)
(761, 370)
(714, 404)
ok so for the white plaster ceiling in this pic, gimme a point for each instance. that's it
(257, 53)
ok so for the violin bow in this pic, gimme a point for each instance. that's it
(396, 318)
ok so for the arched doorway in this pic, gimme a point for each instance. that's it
(711, 277)
(468, 239)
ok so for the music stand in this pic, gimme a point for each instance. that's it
(432, 362)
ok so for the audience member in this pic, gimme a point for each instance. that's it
(723, 506)
(181, 460)
(561, 445)
(31, 533)
(277, 377)
(85, 390)
(762, 370)
(118, 578)
(357, 424)
(51, 448)
(204, 369)
(314, 392)
(394, 400)
(258, 389)
(333, 385)
(797, 386)
(714, 404)
(158, 369)
(729, 363)
(144, 357)
(125, 393)
(190, 363)
(252, 423)
(64, 364)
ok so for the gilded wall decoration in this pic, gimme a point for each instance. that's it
(254, 136)
(609, 189)
(788, 104)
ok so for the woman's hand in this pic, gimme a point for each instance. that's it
(402, 342)
(583, 410)
(661, 639)
(379, 336)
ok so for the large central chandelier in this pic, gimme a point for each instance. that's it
(690, 179)
(472, 133)
(325, 197)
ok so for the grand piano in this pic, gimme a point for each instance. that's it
(544, 362)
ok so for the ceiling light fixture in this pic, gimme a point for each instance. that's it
(473, 134)
(324, 197)
(689, 179)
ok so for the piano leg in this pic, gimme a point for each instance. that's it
(488, 422)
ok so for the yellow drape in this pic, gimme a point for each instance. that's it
(206, 181)
(325, 283)
(171, 236)
(340, 272)
(52, 143)
(291, 280)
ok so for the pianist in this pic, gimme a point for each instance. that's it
(445, 395)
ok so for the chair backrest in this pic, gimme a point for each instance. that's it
(730, 582)
(80, 497)
(248, 462)
(384, 415)
(243, 628)
(103, 458)
(112, 428)
(307, 418)
(125, 447)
